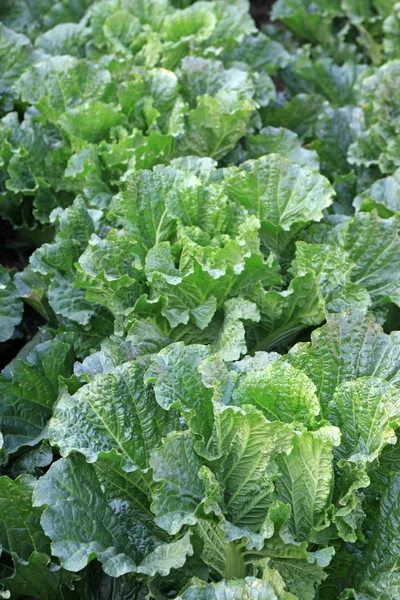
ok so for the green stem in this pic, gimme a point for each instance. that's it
(234, 565)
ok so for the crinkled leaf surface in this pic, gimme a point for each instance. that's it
(383, 195)
(180, 490)
(367, 411)
(130, 422)
(278, 140)
(16, 54)
(122, 531)
(178, 384)
(281, 392)
(333, 270)
(60, 83)
(306, 481)
(281, 194)
(378, 573)
(349, 346)
(215, 126)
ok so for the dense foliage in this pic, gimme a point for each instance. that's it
(206, 401)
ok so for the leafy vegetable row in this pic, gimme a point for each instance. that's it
(202, 197)
(189, 465)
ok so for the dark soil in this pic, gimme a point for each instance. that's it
(260, 11)
(14, 252)
(14, 255)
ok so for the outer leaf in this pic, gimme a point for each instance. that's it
(142, 207)
(383, 195)
(249, 588)
(248, 445)
(84, 175)
(278, 140)
(282, 392)
(298, 114)
(282, 195)
(367, 411)
(216, 125)
(178, 384)
(38, 577)
(61, 83)
(349, 346)
(167, 557)
(377, 574)
(302, 578)
(200, 76)
(11, 307)
(87, 498)
(130, 421)
(89, 122)
(391, 27)
(335, 82)
(29, 389)
(68, 303)
(121, 531)
(65, 38)
(374, 246)
(20, 530)
(94, 584)
(75, 225)
(348, 514)
(333, 271)
(378, 94)
(195, 20)
(306, 481)
(261, 53)
(33, 157)
(32, 461)
(336, 129)
(16, 55)
(180, 490)
(259, 362)
(312, 24)
(31, 288)
(283, 314)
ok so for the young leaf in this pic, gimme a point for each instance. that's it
(281, 392)
(306, 481)
(281, 194)
(349, 346)
(367, 410)
(62, 82)
(333, 271)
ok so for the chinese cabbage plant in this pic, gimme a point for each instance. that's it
(206, 297)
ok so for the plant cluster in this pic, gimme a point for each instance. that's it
(207, 400)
